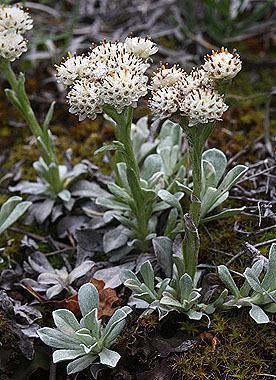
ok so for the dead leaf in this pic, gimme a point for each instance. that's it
(108, 300)
(209, 338)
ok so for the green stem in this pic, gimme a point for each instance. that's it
(20, 99)
(141, 209)
(25, 108)
(197, 137)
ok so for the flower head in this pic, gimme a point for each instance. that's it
(12, 45)
(164, 101)
(140, 47)
(196, 78)
(85, 99)
(167, 77)
(74, 68)
(203, 105)
(222, 64)
(123, 88)
(15, 18)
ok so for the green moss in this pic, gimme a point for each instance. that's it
(243, 351)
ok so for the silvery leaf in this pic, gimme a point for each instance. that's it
(112, 275)
(228, 281)
(163, 250)
(80, 364)
(258, 314)
(232, 177)
(57, 339)
(11, 211)
(88, 298)
(109, 358)
(147, 274)
(80, 270)
(66, 321)
(219, 162)
(62, 355)
(269, 281)
(115, 238)
(223, 214)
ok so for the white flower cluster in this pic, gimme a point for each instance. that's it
(194, 95)
(14, 23)
(112, 74)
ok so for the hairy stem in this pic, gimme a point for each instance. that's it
(141, 209)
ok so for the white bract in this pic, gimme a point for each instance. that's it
(203, 105)
(111, 75)
(166, 77)
(140, 47)
(12, 45)
(82, 343)
(73, 68)
(85, 99)
(222, 64)
(14, 22)
(164, 102)
(14, 17)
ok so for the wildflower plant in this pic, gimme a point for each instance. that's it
(215, 185)
(53, 281)
(85, 342)
(197, 105)
(161, 165)
(54, 180)
(257, 293)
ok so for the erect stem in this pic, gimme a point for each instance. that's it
(25, 106)
(19, 98)
(140, 208)
(197, 137)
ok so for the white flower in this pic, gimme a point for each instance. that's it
(197, 78)
(222, 64)
(12, 45)
(167, 77)
(106, 51)
(203, 105)
(85, 99)
(15, 18)
(164, 102)
(112, 56)
(140, 47)
(74, 68)
(123, 88)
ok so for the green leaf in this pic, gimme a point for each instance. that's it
(11, 211)
(49, 117)
(258, 314)
(163, 250)
(170, 199)
(66, 321)
(218, 161)
(147, 274)
(88, 298)
(116, 145)
(109, 358)
(228, 281)
(223, 214)
(269, 281)
(186, 287)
